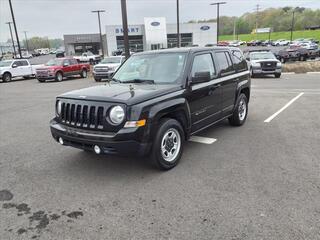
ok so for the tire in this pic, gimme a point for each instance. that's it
(91, 61)
(97, 79)
(277, 75)
(252, 75)
(169, 132)
(59, 77)
(282, 60)
(240, 113)
(26, 77)
(84, 73)
(7, 77)
(41, 80)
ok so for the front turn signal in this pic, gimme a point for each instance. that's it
(131, 124)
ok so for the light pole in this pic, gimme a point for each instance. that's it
(15, 28)
(178, 27)
(26, 39)
(14, 48)
(101, 41)
(218, 9)
(125, 27)
(292, 24)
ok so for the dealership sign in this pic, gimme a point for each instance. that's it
(204, 28)
(155, 24)
(130, 30)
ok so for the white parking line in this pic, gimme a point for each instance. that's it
(313, 72)
(203, 140)
(283, 108)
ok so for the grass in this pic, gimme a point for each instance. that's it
(275, 35)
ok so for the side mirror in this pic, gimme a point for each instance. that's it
(200, 77)
(14, 65)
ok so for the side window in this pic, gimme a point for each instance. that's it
(225, 63)
(24, 63)
(16, 63)
(239, 61)
(66, 62)
(203, 63)
(73, 62)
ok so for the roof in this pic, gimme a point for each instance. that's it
(185, 50)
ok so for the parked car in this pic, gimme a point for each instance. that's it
(282, 55)
(60, 54)
(59, 68)
(10, 69)
(234, 43)
(264, 63)
(254, 43)
(88, 57)
(156, 101)
(282, 42)
(106, 68)
(267, 43)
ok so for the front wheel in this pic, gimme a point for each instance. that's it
(84, 73)
(97, 79)
(7, 77)
(277, 75)
(168, 145)
(240, 112)
(59, 76)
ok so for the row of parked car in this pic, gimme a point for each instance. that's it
(303, 42)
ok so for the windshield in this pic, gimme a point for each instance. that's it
(54, 62)
(158, 67)
(261, 55)
(111, 60)
(5, 63)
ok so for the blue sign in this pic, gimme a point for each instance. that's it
(205, 28)
(155, 24)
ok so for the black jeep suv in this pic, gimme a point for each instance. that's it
(155, 101)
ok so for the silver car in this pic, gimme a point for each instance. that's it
(264, 63)
(106, 68)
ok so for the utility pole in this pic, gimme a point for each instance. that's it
(15, 28)
(234, 28)
(27, 44)
(101, 41)
(125, 28)
(178, 26)
(257, 19)
(14, 48)
(292, 24)
(218, 10)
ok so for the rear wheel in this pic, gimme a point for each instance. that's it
(59, 77)
(7, 77)
(240, 113)
(41, 80)
(84, 73)
(168, 145)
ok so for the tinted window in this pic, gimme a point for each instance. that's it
(224, 62)
(24, 63)
(18, 63)
(73, 62)
(203, 63)
(239, 61)
(66, 62)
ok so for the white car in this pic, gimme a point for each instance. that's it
(16, 68)
(106, 68)
(282, 42)
(88, 57)
(234, 43)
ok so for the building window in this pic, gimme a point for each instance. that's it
(185, 38)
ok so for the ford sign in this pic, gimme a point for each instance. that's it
(155, 24)
(205, 28)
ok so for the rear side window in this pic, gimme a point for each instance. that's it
(24, 63)
(225, 63)
(203, 63)
(73, 62)
(239, 61)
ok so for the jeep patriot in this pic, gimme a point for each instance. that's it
(155, 102)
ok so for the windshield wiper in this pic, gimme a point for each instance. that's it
(115, 80)
(137, 80)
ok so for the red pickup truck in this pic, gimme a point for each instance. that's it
(59, 68)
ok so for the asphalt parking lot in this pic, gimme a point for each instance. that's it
(258, 181)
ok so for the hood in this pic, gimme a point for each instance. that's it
(122, 93)
(264, 60)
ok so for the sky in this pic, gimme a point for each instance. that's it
(53, 18)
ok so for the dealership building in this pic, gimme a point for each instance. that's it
(154, 34)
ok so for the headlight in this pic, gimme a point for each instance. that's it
(255, 64)
(116, 115)
(278, 64)
(58, 107)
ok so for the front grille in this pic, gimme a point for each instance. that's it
(90, 115)
(268, 66)
(101, 69)
(42, 73)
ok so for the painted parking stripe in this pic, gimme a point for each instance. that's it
(204, 140)
(269, 119)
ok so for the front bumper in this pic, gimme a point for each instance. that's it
(45, 76)
(121, 143)
(264, 72)
(103, 74)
